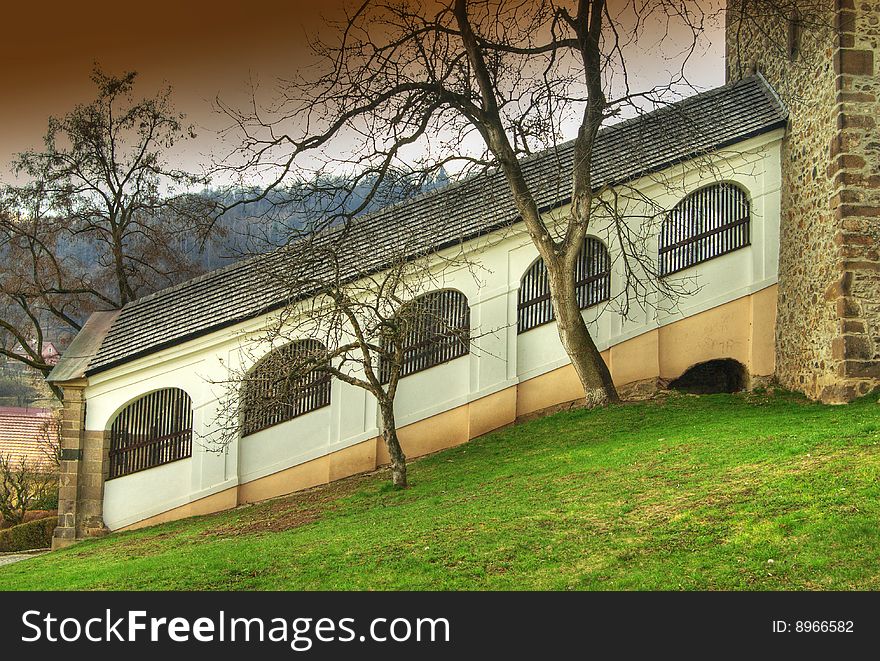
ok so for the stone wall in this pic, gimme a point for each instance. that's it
(821, 62)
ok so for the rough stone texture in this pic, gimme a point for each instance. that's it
(81, 483)
(641, 390)
(856, 167)
(828, 326)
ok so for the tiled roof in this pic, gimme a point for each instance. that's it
(460, 211)
(23, 433)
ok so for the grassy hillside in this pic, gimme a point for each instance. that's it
(717, 492)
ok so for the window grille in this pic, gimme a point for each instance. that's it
(706, 224)
(272, 394)
(439, 331)
(592, 281)
(153, 430)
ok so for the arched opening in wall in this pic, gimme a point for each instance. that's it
(152, 430)
(706, 224)
(439, 326)
(592, 282)
(281, 387)
(713, 376)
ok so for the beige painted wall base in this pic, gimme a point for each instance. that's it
(217, 502)
(742, 329)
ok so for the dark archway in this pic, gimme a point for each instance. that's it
(713, 376)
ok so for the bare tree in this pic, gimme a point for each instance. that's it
(49, 442)
(510, 76)
(23, 483)
(362, 309)
(17, 388)
(99, 219)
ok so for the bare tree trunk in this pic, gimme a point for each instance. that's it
(389, 434)
(575, 337)
(125, 292)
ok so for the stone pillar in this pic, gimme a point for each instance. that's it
(83, 471)
(855, 173)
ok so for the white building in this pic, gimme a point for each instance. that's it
(714, 158)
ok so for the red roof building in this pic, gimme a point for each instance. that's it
(25, 432)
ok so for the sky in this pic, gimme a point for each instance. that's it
(203, 49)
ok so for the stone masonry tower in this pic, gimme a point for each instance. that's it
(823, 59)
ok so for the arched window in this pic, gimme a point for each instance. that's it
(439, 331)
(592, 279)
(708, 223)
(153, 430)
(275, 390)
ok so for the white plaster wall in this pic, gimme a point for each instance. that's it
(134, 497)
(433, 390)
(284, 445)
(499, 357)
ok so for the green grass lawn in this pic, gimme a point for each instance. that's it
(737, 492)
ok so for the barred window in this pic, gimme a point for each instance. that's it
(439, 331)
(153, 430)
(592, 280)
(273, 393)
(706, 224)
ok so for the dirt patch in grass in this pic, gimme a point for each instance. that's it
(288, 512)
(275, 521)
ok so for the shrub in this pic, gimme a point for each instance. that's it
(32, 515)
(46, 501)
(26, 536)
(25, 485)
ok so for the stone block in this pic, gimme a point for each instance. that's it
(857, 347)
(840, 287)
(846, 40)
(67, 492)
(855, 97)
(854, 121)
(849, 178)
(853, 326)
(838, 393)
(90, 509)
(866, 266)
(854, 62)
(59, 543)
(845, 142)
(865, 369)
(845, 21)
(64, 532)
(91, 482)
(863, 210)
(66, 506)
(92, 467)
(847, 307)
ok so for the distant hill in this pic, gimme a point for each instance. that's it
(250, 227)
